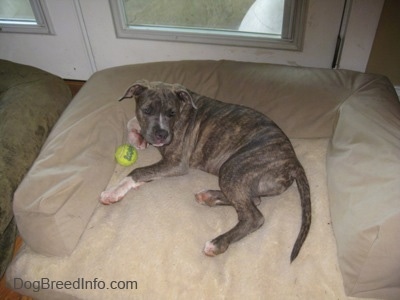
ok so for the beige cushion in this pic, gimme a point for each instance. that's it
(56, 199)
(364, 187)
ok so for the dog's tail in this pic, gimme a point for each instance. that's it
(304, 191)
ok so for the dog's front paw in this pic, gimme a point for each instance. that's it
(137, 140)
(118, 192)
(134, 136)
(109, 197)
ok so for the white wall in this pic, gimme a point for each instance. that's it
(85, 41)
(63, 53)
(360, 34)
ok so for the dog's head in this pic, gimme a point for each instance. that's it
(158, 106)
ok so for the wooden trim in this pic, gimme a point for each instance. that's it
(74, 85)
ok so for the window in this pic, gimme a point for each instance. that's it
(277, 24)
(27, 16)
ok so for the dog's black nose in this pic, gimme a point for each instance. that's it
(161, 134)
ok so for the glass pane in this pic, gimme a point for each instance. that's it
(16, 11)
(260, 16)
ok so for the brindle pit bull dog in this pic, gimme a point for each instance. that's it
(247, 151)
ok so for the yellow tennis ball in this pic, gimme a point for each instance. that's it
(126, 155)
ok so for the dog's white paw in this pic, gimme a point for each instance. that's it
(109, 196)
(137, 140)
(134, 136)
(114, 194)
(202, 197)
(210, 249)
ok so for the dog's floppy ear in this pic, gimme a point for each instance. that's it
(184, 94)
(136, 89)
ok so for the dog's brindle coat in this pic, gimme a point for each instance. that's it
(249, 152)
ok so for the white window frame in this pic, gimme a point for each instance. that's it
(41, 26)
(292, 30)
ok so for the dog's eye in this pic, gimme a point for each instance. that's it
(171, 113)
(147, 110)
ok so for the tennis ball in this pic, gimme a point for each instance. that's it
(126, 155)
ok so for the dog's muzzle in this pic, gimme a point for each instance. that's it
(160, 137)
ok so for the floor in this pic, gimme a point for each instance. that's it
(8, 294)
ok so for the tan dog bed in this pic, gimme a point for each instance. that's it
(155, 235)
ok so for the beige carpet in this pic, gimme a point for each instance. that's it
(155, 237)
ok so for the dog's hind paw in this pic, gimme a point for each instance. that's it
(211, 198)
(210, 249)
(215, 247)
(203, 198)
